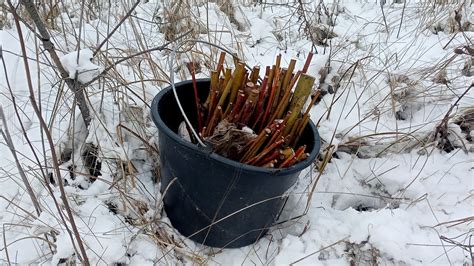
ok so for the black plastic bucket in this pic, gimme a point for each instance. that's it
(207, 197)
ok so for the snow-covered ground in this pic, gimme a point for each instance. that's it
(384, 190)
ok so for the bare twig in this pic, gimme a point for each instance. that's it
(83, 255)
(382, 3)
(158, 48)
(116, 27)
(401, 19)
(5, 245)
(49, 46)
(442, 128)
(6, 135)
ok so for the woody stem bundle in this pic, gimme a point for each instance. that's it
(272, 108)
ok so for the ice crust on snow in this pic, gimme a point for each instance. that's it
(86, 70)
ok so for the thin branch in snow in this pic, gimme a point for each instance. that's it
(6, 135)
(116, 27)
(316, 252)
(49, 46)
(82, 255)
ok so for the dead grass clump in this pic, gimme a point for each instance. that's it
(321, 33)
(405, 96)
(177, 19)
(49, 11)
(5, 21)
(448, 137)
(235, 14)
(317, 25)
(92, 163)
(467, 69)
(365, 253)
(378, 145)
(457, 20)
(464, 118)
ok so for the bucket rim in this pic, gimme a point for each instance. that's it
(160, 124)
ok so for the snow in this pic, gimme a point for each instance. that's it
(79, 63)
(388, 194)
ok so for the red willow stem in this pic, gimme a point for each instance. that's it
(210, 126)
(255, 145)
(273, 146)
(220, 64)
(196, 97)
(306, 64)
(294, 158)
(272, 96)
(275, 155)
(234, 114)
(260, 101)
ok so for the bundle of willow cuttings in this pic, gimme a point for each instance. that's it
(257, 121)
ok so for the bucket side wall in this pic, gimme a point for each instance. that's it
(207, 189)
